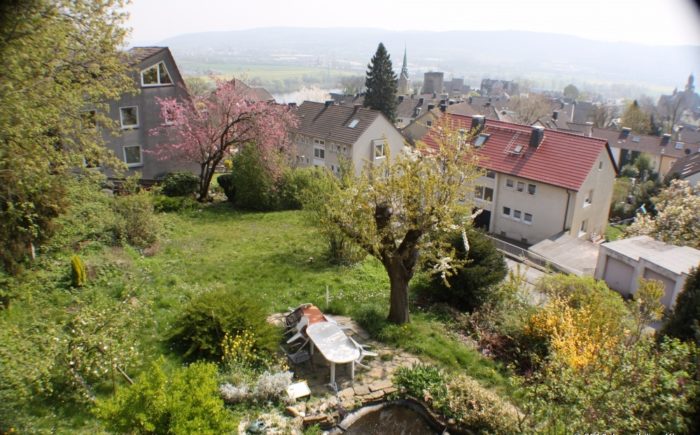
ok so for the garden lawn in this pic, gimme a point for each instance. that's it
(277, 258)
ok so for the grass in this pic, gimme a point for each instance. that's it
(278, 258)
(614, 232)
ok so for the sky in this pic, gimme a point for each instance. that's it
(651, 22)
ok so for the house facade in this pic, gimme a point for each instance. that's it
(156, 76)
(329, 134)
(538, 182)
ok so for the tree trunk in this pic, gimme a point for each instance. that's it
(398, 300)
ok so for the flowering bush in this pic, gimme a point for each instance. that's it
(270, 386)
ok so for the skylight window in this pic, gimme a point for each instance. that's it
(353, 123)
(481, 139)
(518, 149)
(679, 145)
(636, 139)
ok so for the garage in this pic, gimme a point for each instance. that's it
(618, 275)
(669, 285)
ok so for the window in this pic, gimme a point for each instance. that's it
(517, 149)
(521, 186)
(353, 123)
(479, 192)
(584, 228)
(430, 123)
(157, 75)
(509, 183)
(588, 198)
(379, 149)
(481, 139)
(490, 174)
(132, 156)
(129, 116)
(636, 139)
(517, 214)
(679, 145)
(169, 117)
(488, 194)
(506, 211)
(600, 165)
(319, 153)
(319, 142)
(527, 218)
(88, 119)
(531, 189)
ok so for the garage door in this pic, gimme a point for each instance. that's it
(618, 275)
(668, 284)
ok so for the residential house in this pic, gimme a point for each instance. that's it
(328, 133)
(491, 87)
(623, 262)
(687, 168)
(157, 76)
(539, 182)
(663, 151)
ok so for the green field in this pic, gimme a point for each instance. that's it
(278, 258)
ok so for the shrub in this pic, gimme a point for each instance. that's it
(78, 272)
(162, 203)
(684, 321)
(423, 382)
(226, 183)
(180, 184)
(472, 286)
(478, 409)
(137, 223)
(253, 185)
(270, 386)
(183, 402)
(205, 321)
(293, 186)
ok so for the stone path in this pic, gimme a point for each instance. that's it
(370, 384)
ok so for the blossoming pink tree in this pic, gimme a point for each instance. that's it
(207, 129)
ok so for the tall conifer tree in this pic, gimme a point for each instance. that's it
(381, 84)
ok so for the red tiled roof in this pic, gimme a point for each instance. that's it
(562, 159)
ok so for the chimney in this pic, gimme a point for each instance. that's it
(625, 132)
(434, 94)
(469, 100)
(421, 101)
(292, 105)
(329, 103)
(679, 136)
(536, 136)
(665, 139)
(589, 129)
(478, 122)
(431, 106)
(443, 107)
(555, 115)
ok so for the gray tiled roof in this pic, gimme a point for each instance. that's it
(686, 166)
(331, 122)
(139, 54)
(645, 143)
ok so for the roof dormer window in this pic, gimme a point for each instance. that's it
(156, 75)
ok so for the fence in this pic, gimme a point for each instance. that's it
(530, 258)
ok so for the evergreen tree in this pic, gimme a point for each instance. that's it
(684, 322)
(381, 84)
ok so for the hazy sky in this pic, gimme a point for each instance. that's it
(655, 22)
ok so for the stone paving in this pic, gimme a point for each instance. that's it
(370, 384)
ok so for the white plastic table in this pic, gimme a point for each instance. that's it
(334, 345)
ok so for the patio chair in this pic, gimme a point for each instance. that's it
(298, 357)
(363, 352)
(299, 328)
(293, 316)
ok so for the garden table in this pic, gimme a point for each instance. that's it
(334, 345)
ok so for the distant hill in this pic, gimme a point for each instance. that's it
(547, 58)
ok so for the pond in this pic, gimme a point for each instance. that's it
(391, 419)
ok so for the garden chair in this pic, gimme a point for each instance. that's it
(363, 353)
(294, 315)
(299, 328)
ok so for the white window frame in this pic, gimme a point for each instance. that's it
(588, 200)
(378, 144)
(528, 222)
(503, 211)
(534, 189)
(150, 85)
(520, 186)
(517, 212)
(321, 155)
(510, 184)
(320, 142)
(133, 165)
(121, 118)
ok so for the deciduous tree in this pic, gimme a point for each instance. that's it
(59, 61)
(636, 119)
(209, 128)
(530, 108)
(381, 84)
(400, 209)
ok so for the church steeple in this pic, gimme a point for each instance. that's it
(404, 81)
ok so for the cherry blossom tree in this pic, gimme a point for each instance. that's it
(207, 129)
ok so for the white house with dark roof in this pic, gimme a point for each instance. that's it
(328, 133)
(687, 168)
